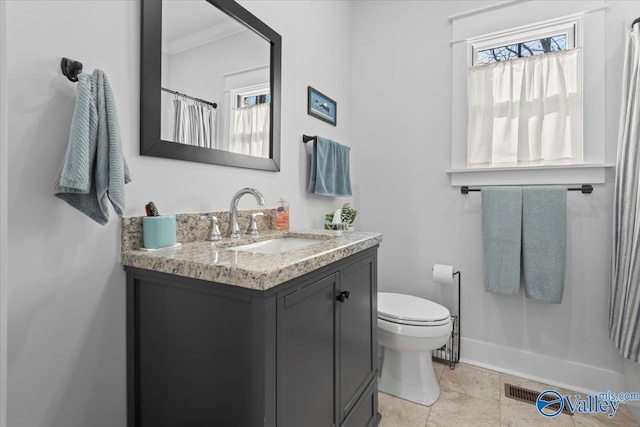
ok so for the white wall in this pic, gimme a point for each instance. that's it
(199, 71)
(67, 297)
(402, 131)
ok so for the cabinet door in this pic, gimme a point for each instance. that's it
(358, 339)
(306, 334)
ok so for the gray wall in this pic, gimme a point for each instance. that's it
(66, 298)
(403, 134)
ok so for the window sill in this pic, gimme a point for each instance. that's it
(531, 175)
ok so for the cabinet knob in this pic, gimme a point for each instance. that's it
(342, 296)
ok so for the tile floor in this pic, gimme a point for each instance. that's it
(473, 397)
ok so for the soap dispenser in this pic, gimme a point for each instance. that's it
(282, 215)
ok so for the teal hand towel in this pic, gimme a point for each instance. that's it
(329, 175)
(94, 171)
(544, 242)
(501, 232)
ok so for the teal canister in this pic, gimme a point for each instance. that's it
(159, 231)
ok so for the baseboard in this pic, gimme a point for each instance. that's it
(544, 369)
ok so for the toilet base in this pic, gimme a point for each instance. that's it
(409, 375)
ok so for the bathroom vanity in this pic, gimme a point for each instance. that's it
(226, 337)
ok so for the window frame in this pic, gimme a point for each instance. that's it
(571, 27)
(480, 23)
(245, 92)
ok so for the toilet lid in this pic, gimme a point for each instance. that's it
(401, 308)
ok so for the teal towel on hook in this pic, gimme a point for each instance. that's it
(329, 175)
(544, 242)
(94, 171)
(501, 232)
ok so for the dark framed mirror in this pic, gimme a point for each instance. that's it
(209, 84)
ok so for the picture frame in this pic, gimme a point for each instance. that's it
(321, 106)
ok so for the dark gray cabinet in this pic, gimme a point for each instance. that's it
(299, 354)
(306, 355)
(358, 322)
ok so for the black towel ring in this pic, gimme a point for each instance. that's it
(71, 68)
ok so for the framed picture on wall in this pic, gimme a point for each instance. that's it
(321, 106)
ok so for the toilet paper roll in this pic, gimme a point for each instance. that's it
(443, 274)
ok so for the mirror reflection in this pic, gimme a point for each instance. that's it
(216, 89)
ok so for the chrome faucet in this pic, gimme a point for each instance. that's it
(234, 229)
(215, 229)
(253, 224)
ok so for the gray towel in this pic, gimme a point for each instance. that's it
(330, 169)
(94, 170)
(502, 230)
(544, 242)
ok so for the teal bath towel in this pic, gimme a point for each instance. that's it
(94, 171)
(501, 231)
(544, 242)
(329, 175)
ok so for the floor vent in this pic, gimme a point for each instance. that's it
(530, 396)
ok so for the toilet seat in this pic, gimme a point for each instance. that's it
(410, 310)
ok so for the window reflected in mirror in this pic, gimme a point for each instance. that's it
(216, 88)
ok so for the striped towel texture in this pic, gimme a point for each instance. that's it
(94, 171)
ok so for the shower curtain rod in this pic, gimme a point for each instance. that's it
(585, 189)
(213, 104)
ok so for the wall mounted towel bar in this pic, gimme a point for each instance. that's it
(213, 104)
(71, 68)
(307, 138)
(585, 189)
(635, 22)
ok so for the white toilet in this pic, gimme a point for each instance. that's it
(409, 328)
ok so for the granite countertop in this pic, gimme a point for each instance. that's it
(216, 262)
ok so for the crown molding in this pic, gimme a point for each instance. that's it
(200, 38)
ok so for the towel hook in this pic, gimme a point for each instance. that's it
(71, 68)
(307, 138)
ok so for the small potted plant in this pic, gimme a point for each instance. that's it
(347, 217)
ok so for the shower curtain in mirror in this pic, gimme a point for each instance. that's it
(250, 131)
(194, 124)
(625, 282)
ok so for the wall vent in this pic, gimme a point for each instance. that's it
(529, 396)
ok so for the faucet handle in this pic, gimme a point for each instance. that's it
(253, 224)
(215, 234)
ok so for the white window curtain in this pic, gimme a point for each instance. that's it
(526, 112)
(250, 132)
(194, 124)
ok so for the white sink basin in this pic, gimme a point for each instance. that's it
(275, 246)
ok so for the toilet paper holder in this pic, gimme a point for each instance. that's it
(450, 352)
